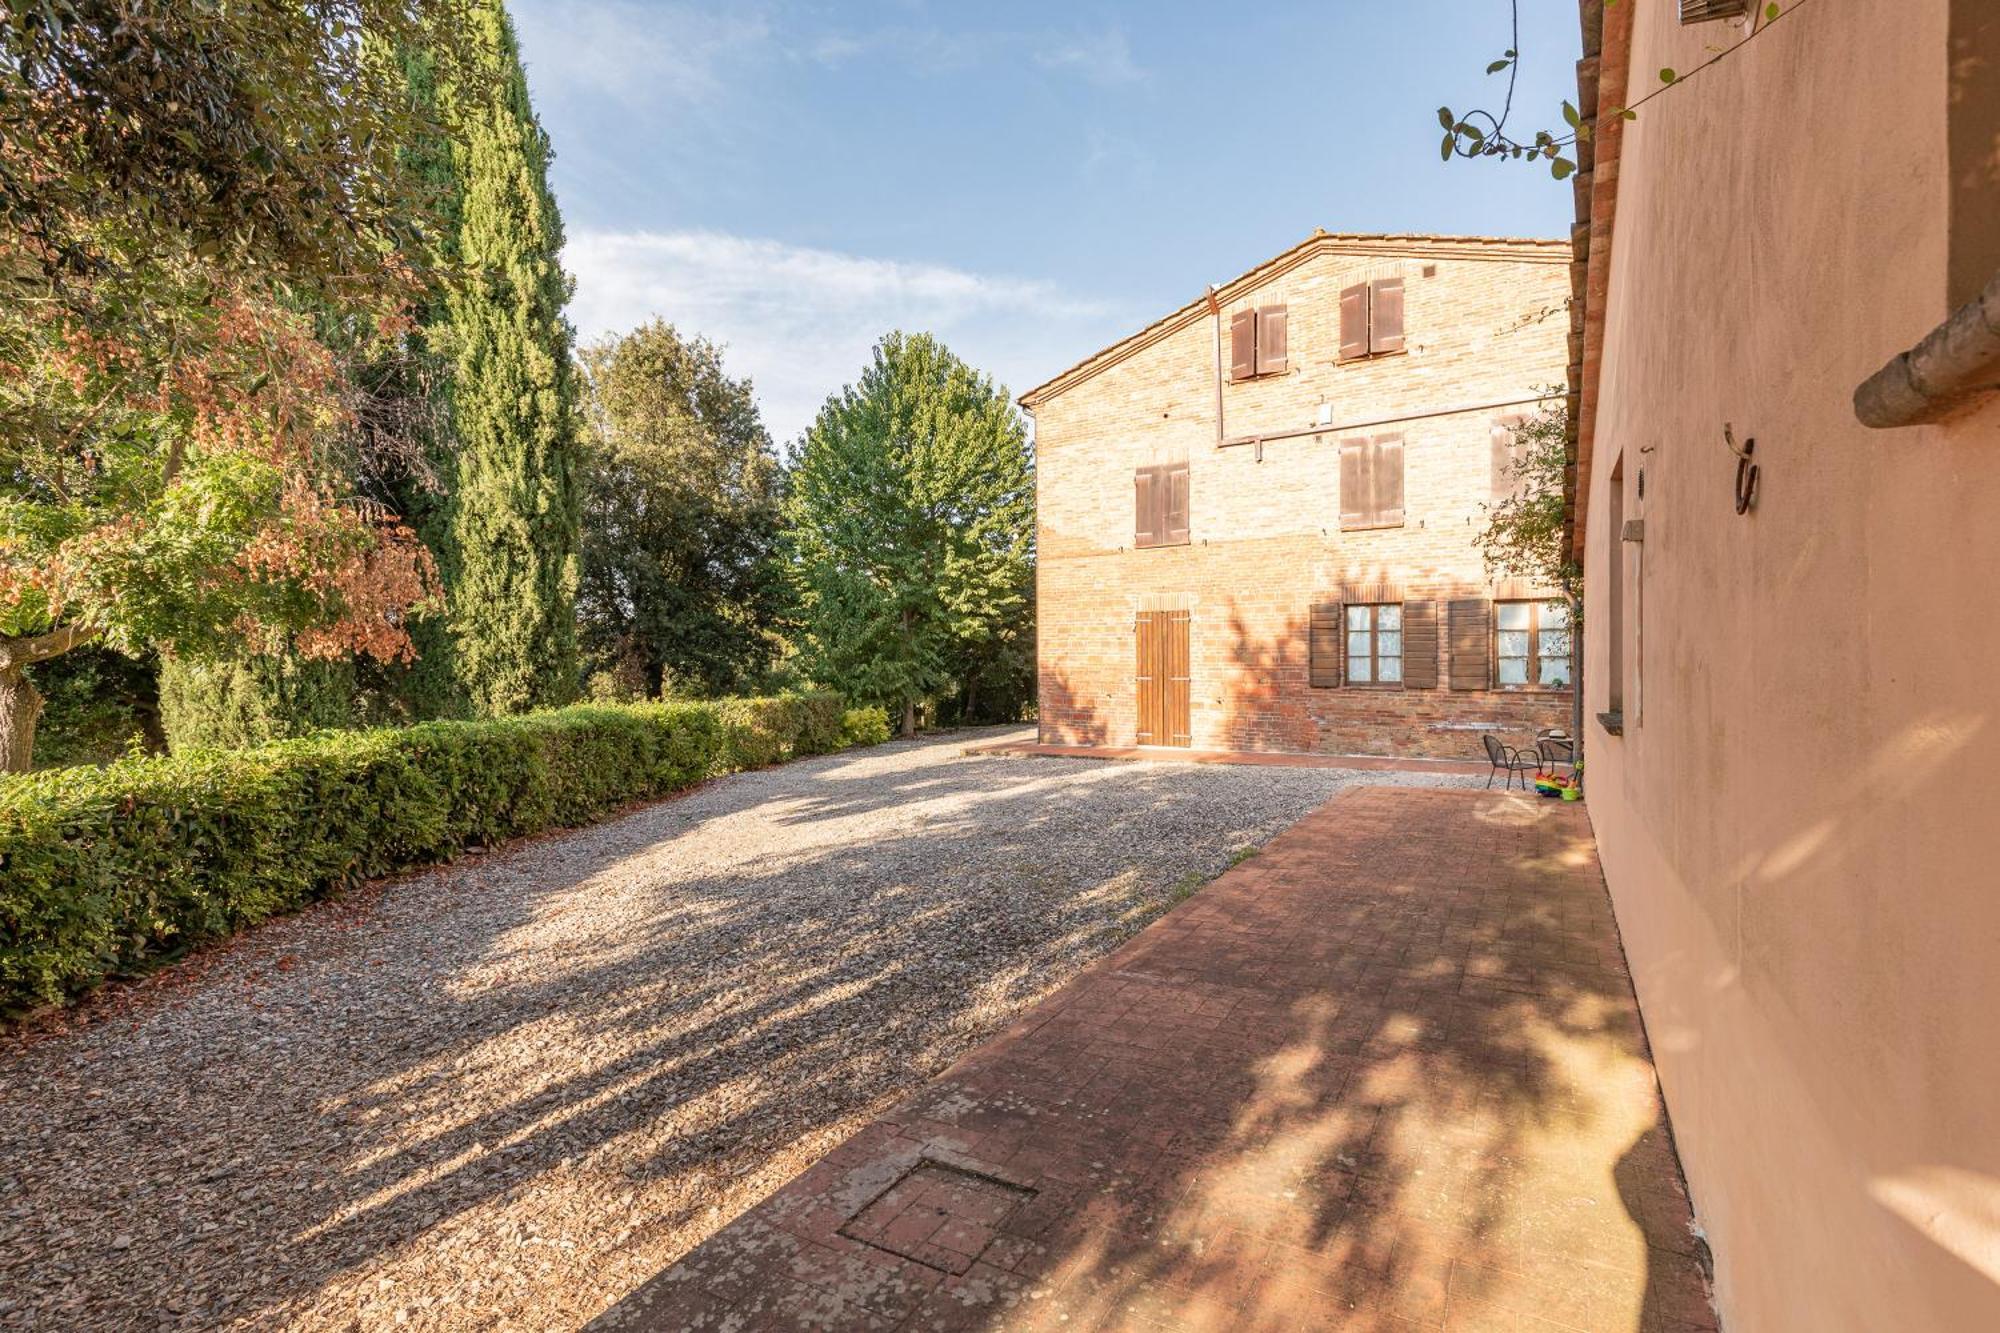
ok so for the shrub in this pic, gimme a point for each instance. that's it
(236, 703)
(108, 870)
(865, 726)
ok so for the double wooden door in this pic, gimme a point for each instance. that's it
(1162, 644)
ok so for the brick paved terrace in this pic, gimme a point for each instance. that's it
(1389, 1074)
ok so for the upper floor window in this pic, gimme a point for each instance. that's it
(1532, 644)
(1371, 318)
(1371, 482)
(1375, 644)
(1258, 342)
(1161, 505)
(1510, 454)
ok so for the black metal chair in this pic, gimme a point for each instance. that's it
(1555, 750)
(1506, 759)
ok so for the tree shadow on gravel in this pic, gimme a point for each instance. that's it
(651, 1076)
(1389, 1072)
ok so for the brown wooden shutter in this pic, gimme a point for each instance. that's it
(1243, 345)
(1385, 480)
(1271, 339)
(1148, 687)
(1420, 645)
(1503, 480)
(1354, 496)
(1173, 486)
(1471, 644)
(1507, 454)
(1354, 322)
(1146, 507)
(1326, 643)
(1385, 315)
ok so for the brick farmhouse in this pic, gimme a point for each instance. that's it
(1257, 517)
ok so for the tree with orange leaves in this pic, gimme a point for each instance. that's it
(184, 191)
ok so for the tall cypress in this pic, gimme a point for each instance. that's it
(513, 509)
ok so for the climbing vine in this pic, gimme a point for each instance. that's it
(1482, 133)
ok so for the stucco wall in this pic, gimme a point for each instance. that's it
(1486, 325)
(1801, 824)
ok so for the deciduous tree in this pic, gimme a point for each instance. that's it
(680, 515)
(910, 523)
(178, 183)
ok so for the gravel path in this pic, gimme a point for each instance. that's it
(505, 1093)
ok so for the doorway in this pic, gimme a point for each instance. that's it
(1162, 643)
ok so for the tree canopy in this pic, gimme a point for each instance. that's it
(188, 193)
(1523, 536)
(910, 522)
(513, 508)
(678, 585)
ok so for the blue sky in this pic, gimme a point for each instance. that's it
(1029, 181)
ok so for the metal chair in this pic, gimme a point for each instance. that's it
(1553, 748)
(1507, 759)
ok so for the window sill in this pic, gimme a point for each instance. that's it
(1374, 527)
(1156, 546)
(1371, 356)
(1612, 722)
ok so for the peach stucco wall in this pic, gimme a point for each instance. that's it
(1801, 824)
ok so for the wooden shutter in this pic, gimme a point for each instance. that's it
(1354, 496)
(1173, 485)
(1148, 683)
(1271, 339)
(1371, 482)
(1385, 480)
(1385, 315)
(1243, 345)
(1420, 645)
(1326, 645)
(1507, 481)
(1503, 478)
(1146, 508)
(1354, 322)
(1472, 644)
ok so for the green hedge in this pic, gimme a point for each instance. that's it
(104, 871)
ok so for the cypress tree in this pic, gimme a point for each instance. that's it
(513, 509)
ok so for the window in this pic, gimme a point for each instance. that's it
(1531, 644)
(1375, 645)
(1160, 495)
(1258, 342)
(1371, 482)
(1509, 452)
(1371, 319)
(1614, 586)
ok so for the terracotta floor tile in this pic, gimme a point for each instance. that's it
(1389, 1075)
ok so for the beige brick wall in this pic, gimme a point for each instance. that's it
(1265, 538)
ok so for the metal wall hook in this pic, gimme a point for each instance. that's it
(1747, 472)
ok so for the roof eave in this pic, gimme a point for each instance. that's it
(1413, 245)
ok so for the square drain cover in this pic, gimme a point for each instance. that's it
(941, 1216)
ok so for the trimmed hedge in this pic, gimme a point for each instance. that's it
(105, 871)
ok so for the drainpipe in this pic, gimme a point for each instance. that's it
(1215, 314)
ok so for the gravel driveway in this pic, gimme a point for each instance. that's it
(505, 1093)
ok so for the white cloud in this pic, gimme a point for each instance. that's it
(800, 321)
(1103, 58)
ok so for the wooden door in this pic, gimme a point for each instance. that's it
(1162, 676)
